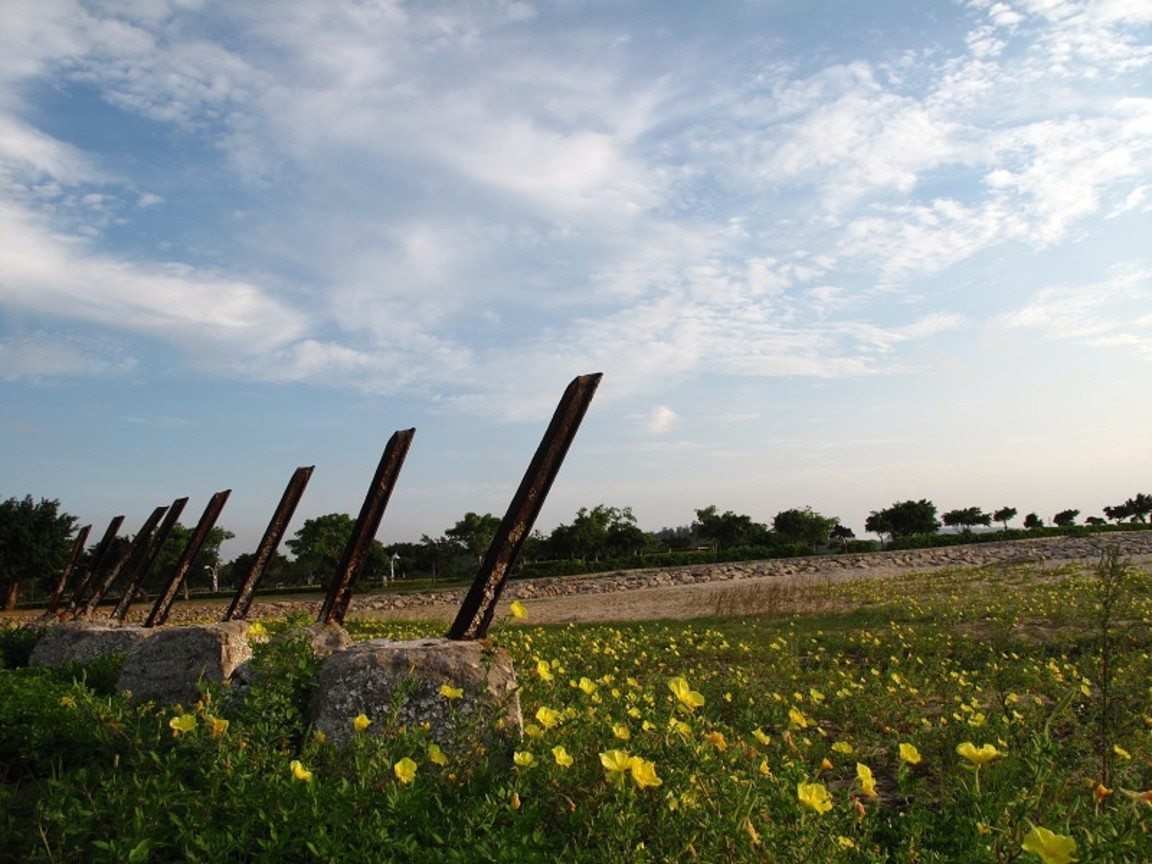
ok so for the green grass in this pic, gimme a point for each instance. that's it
(1010, 657)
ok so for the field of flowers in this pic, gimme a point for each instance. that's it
(996, 714)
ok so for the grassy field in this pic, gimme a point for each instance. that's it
(995, 714)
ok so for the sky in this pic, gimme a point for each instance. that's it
(825, 253)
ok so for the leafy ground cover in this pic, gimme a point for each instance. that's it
(993, 714)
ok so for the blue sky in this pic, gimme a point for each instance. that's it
(825, 253)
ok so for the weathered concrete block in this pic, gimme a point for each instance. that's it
(399, 684)
(85, 641)
(170, 665)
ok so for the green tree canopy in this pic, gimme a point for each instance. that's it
(1032, 521)
(905, 518)
(35, 539)
(474, 533)
(966, 518)
(1004, 515)
(320, 543)
(728, 530)
(804, 526)
(1065, 518)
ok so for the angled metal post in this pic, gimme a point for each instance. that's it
(142, 563)
(339, 595)
(66, 572)
(136, 550)
(96, 565)
(273, 534)
(159, 613)
(480, 604)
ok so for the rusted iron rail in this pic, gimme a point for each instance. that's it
(480, 604)
(335, 605)
(96, 565)
(163, 607)
(273, 534)
(136, 550)
(66, 572)
(142, 563)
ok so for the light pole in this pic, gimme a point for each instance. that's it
(392, 567)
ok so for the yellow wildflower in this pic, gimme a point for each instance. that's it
(405, 770)
(909, 754)
(842, 747)
(814, 796)
(615, 761)
(300, 772)
(588, 686)
(517, 609)
(561, 756)
(1050, 847)
(688, 697)
(450, 692)
(845, 843)
(867, 781)
(361, 722)
(548, 718)
(67, 702)
(621, 731)
(978, 755)
(524, 758)
(182, 723)
(760, 736)
(644, 773)
(1121, 752)
(216, 726)
(716, 739)
(544, 670)
(797, 718)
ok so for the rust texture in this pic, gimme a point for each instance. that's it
(339, 595)
(66, 573)
(159, 613)
(142, 562)
(131, 554)
(479, 605)
(96, 564)
(269, 543)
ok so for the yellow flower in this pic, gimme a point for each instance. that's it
(182, 723)
(621, 731)
(716, 739)
(436, 755)
(300, 772)
(523, 758)
(588, 686)
(547, 717)
(517, 609)
(405, 770)
(765, 768)
(257, 632)
(845, 843)
(533, 731)
(361, 722)
(842, 747)
(797, 718)
(814, 796)
(1051, 848)
(688, 697)
(615, 761)
(319, 737)
(67, 702)
(561, 756)
(216, 726)
(514, 802)
(450, 692)
(544, 670)
(978, 755)
(760, 736)
(1121, 752)
(909, 754)
(644, 773)
(867, 781)
(1102, 791)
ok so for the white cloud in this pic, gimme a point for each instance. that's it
(661, 419)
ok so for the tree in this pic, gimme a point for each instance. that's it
(804, 526)
(905, 518)
(474, 532)
(877, 523)
(843, 533)
(1004, 514)
(1032, 521)
(728, 530)
(603, 530)
(1096, 521)
(35, 539)
(1065, 518)
(320, 543)
(172, 550)
(1118, 513)
(966, 518)
(1140, 506)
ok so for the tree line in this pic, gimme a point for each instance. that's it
(36, 538)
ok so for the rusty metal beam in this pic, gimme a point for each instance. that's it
(142, 563)
(480, 604)
(159, 613)
(66, 573)
(135, 550)
(96, 564)
(339, 595)
(269, 543)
